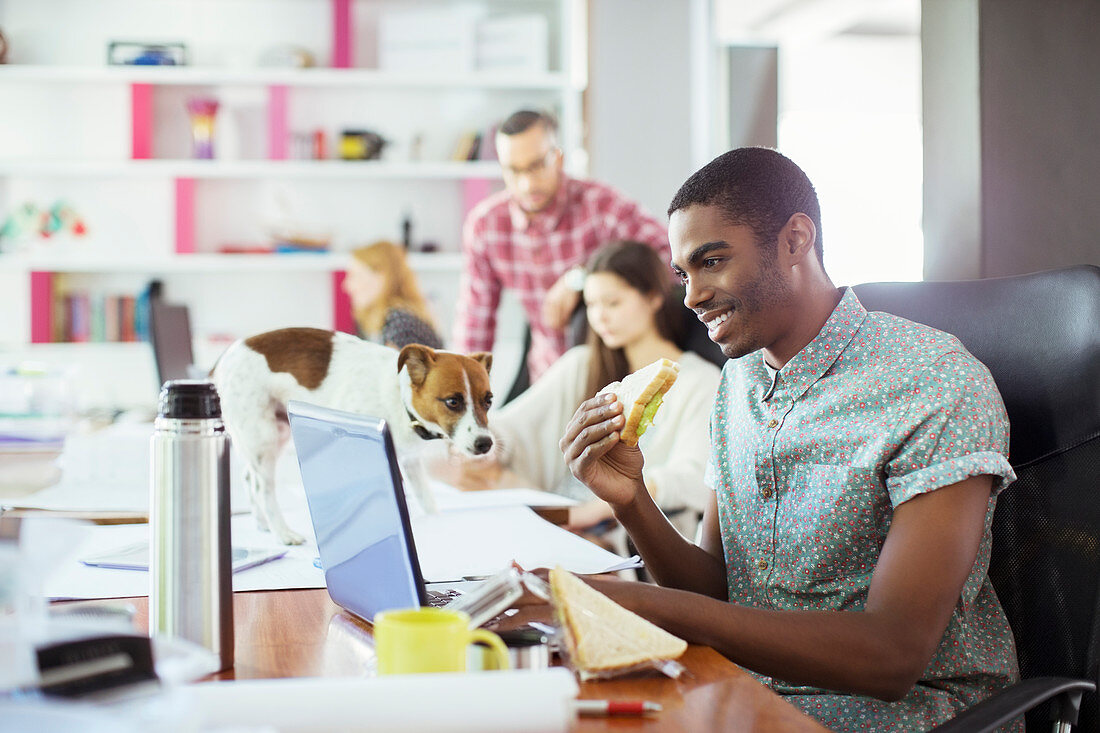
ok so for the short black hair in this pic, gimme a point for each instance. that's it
(525, 119)
(755, 187)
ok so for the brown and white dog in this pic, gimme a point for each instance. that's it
(422, 393)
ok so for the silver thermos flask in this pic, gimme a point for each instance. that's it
(191, 591)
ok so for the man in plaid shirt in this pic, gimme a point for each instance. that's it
(535, 237)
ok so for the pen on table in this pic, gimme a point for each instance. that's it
(615, 707)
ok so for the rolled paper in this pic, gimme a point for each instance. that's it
(470, 702)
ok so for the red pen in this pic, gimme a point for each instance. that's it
(615, 707)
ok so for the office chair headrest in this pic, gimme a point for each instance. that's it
(1039, 335)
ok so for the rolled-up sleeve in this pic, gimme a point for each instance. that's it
(955, 426)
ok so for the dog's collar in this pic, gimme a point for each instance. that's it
(418, 427)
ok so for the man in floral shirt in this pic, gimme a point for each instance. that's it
(856, 460)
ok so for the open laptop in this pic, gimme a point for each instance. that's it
(356, 500)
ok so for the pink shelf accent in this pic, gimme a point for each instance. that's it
(141, 122)
(41, 307)
(341, 305)
(185, 215)
(276, 121)
(341, 34)
(473, 191)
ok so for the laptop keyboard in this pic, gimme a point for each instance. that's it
(440, 598)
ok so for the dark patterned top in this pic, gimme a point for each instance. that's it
(402, 328)
(809, 463)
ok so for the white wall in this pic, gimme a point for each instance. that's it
(648, 102)
(952, 140)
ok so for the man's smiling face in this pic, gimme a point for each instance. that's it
(734, 284)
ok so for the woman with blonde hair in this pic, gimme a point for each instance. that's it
(385, 298)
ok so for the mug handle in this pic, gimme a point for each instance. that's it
(491, 640)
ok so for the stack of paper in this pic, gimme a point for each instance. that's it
(451, 545)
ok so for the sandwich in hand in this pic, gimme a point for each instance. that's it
(601, 636)
(641, 394)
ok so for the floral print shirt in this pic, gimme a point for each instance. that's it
(809, 462)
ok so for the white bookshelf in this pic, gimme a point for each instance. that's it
(305, 77)
(254, 169)
(69, 136)
(448, 263)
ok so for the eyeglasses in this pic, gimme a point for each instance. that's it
(535, 169)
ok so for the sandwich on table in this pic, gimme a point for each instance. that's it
(602, 638)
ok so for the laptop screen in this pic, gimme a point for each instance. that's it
(170, 333)
(357, 504)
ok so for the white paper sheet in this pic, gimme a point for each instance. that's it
(475, 702)
(73, 579)
(453, 545)
(449, 498)
(450, 545)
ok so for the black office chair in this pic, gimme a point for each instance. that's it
(1039, 335)
(522, 379)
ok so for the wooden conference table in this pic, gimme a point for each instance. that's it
(302, 633)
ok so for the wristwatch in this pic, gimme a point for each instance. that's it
(574, 278)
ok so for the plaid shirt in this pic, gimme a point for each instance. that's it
(503, 248)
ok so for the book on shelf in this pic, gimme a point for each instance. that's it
(127, 318)
(112, 308)
(141, 315)
(489, 143)
(475, 148)
(475, 145)
(83, 317)
(466, 148)
(78, 329)
(97, 313)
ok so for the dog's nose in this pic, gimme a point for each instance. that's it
(483, 445)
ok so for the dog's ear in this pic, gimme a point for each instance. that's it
(418, 359)
(485, 358)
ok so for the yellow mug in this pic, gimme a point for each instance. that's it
(414, 640)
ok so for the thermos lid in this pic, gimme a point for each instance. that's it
(189, 399)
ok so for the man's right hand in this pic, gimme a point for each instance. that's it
(591, 447)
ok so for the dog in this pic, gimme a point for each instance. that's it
(423, 394)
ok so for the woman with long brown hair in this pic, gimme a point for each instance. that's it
(386, 299)
(631, 317)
